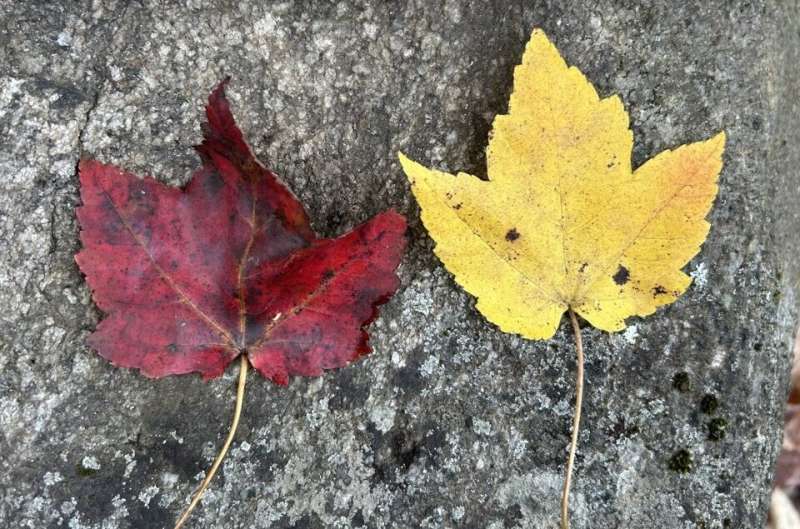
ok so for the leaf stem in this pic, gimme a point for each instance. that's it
(576, 421)
(218, 461)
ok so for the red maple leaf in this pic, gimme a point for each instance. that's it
(229, 266)
(190, 279)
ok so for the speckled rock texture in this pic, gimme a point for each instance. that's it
(449, 423)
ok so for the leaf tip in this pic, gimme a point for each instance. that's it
(718, 141)
(539, 43)
(404, 160)
(396, 219)
(539, 34)
(410, 167)
(220, 131)
(219, 90)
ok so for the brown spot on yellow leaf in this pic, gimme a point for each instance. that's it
(622, 275)
(512, 235)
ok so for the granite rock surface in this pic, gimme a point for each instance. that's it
(449, 423)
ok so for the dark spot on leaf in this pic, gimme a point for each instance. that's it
(213, 183)
(658, 290)
(709, 404)
(681, 382)
(717, 428)
(512, 235)
(681, 461)
(172, 348)
(457, 206)
(622, 276)
(583, 267)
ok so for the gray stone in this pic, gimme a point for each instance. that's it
(450, 422)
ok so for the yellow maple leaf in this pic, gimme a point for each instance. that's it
(564, 222)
